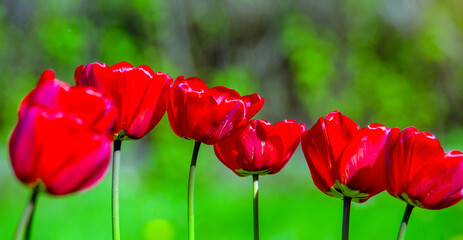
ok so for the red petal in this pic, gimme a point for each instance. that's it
(95, 111)
(153, 106)
(93, 158)
(96, 75)
(25, 134)
(63, 146)
(183, 94)
(401, 153)
(191, 85)
(256, 154)
(254, 104)
(140, 91)
(436, 183)
(393, 163)
(323, 144)
(248, 151)
(210, 122)
(176, 110)
(359, 166)
(318, 155)
(79, 75)
(423, 149)
(224, 150)
(121, 67)
(101, 77)
(221, 93)
(286, 136)
(340, 130)
(47, 94)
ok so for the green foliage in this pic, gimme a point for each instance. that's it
(72, 40)
(237, 78)
(312, 60)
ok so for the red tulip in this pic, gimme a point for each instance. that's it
(420, 173)
(260, 148)
(139, 94)
(344, 160)
(208, 115)
(61, 139)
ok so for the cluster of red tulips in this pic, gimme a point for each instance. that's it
(66, 135)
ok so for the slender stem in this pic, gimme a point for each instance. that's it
(24, 226)
(115, 190)
(345, 218)
(191, 192)
(255, 197)
(403, 225)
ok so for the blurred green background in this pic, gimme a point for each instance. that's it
(396, 62)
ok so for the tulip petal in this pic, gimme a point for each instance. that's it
(221, 94)
(254, 104)
(438, 181)
(393, 163)
(47, 94)
(286, 136)
(121, 67)
(318, 155)
(24, 137)
(424, 149)
(133, 85)
(93, 161)
(339, 130)
(210, 128)
(359, 166)
(151, 107)
(84, 103)
(161, 105)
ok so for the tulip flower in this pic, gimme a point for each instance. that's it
(140, 96)
(208, 116)
(420, 173)
(61, 143)
(259, 149)
(345, 160)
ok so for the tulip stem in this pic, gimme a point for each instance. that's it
(115, 190)
(255, 197)
(345, 218)
(191, 189)
(403, 225)
(24, 226)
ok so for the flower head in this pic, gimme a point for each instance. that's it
(345, 160)
(139, 94)
(208, 115)
(260, 147)
(61, 139)
(419, 172)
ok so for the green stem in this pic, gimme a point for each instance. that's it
(115, 190)
(345, 218)
(255, 196)
(403, 225)
(191, 183)
(24, 226)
